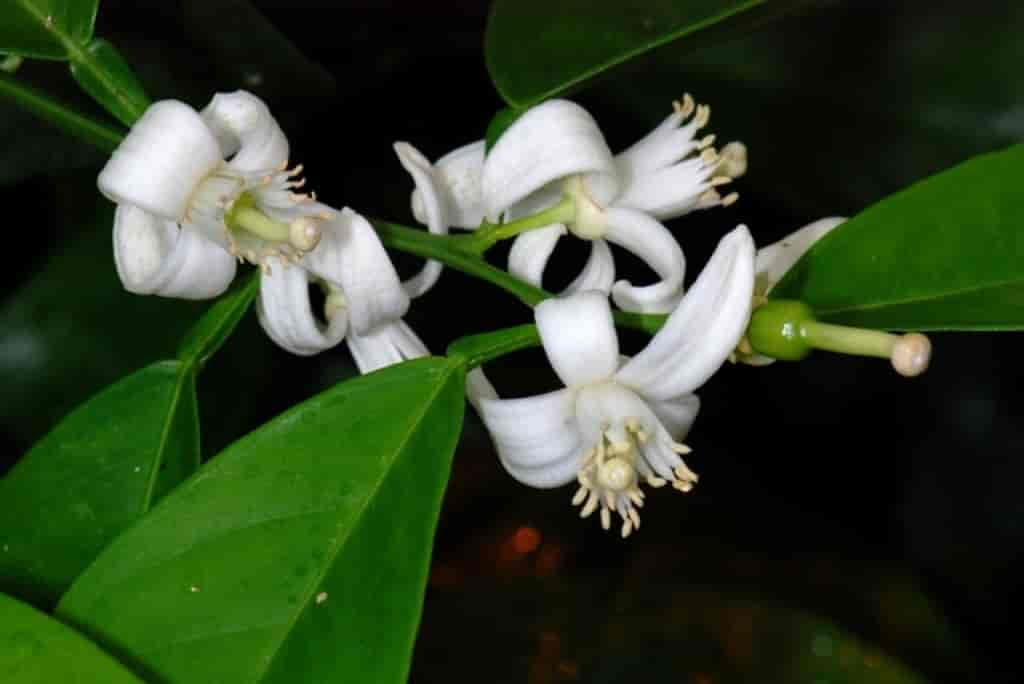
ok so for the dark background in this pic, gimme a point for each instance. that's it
(844, 516)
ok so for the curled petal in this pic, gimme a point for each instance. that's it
(664, 146)
(458, 173)
(776, 259)
(579, 338)
(703, 330)
(385, 345)
(536, 437)
(155, 256)
(531, 250)
(551, 141)
(246, 129)
(669, 192)
(599, 271)
(651, 241)
(351, 257)
(161, 161)
(286, 315)
(432, 208)
(677, 414)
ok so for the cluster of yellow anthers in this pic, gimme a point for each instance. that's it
(728, 162)
(609, 479)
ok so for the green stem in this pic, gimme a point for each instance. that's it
(93, 132)
(451, 251)
(491, 234)
(479, 349)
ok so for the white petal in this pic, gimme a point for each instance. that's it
(665, 145)
(669, 192)
(553, 140)
(161, 161)
(155, 256)
(351, 257)
(536, 437)
(530, 252)
(776, 259)
(286, 315)
(579, 338)
(384, 346)
(433, 210)
(478, 387)
(653, 243)
(599, 271)
(677, 414)
(703, 330)
(245, 128)
(459, 175)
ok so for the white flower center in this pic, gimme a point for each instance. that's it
(590, 222)
(256, 215)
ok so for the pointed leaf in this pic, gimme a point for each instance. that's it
(537, 49)
(94, 475)
(211, 331)
(302, 548)
(945, 254)
(47, 29)
(110, 81)
(36, 649)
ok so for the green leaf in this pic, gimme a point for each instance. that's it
(36, 649)
(46, 29)
(211, 331)
(94, 475)
(538, 49)
(71, 328)
(499, 124)
(110, 81)
(944, 254)
(302, 548)
(60, 115)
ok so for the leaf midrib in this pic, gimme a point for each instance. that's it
(917, 299)
(318, 578)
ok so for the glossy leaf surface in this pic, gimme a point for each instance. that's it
(94, 475)
(110, 81)
(36, 649)
(945, 254)
(45, 28)
(302, 548)
(537, 49)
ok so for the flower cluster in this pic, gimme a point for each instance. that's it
(197, 192)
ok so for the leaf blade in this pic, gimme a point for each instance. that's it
(94, 474)
(38, 649)
(103, 73)
(46, 29)
(268, 551)
(573, 41)
(943, 254)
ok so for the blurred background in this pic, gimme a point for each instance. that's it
(849, 526)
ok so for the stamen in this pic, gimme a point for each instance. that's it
(580, 495)
(591, 506)
(606, 519)
(706, 142)
(730, 199)
(685, 106)
(709, 156)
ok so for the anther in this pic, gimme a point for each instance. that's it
(656, 482)
(681, 448)
(684, 107)
(709, 156)
(719, 180)
(730, 199)
(627, 528)
(706, 141)
(702, 117)
(580, 495)
(591, 506)
(606, 519)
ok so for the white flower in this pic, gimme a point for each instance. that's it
(364, 302)
(197, 190)
(618, 422)
(557, 148)
(775, 260)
